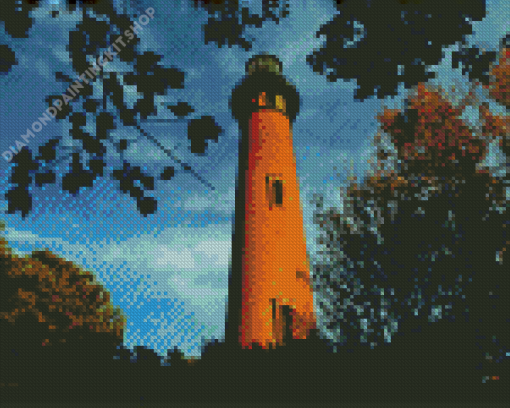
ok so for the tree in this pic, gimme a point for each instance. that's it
(92, 35)
(7, 59)
(17, 23)
(228, 21)
(405, 255)
(380, 53)
(50, 310)
(16, 17)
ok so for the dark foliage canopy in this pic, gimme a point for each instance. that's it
(92, 35)
(384, 43)
(406, 255)
(380, 44)
(228, 21)
(7, 59)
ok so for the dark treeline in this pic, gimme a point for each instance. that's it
(420, 251)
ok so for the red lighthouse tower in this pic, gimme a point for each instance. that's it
(270, 294)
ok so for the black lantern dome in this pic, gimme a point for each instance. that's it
(263, 74)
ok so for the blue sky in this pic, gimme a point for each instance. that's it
(169, 271)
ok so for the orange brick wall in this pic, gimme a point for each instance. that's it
(275, 264)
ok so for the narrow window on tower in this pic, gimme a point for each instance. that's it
(278, 192)
(262, 99)
(274, 191)
(280, 103)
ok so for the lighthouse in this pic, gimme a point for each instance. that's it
(270, 297)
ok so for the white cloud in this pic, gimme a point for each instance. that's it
(199, 203)
(196, 296)
(177, 258)
(219, 251)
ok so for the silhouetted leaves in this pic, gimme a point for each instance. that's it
(24, 167)
(78, 120)
(105, 122)
(228, 21)
(123, 144)
(16, 16)
(146, 62)
(87, 90)
(48, 177)
(89, 36)
(128, 175)
(61, 77)
(474, 62)
(97, 31)
(123, 175)
(145, 105)
(90, 143)
(136, 174)
(65, 109)
(181, 110)
(97, 165)
(161, 79)
(200, 130)
(167, 173)
(7, 59)
(19, 199)
(146, 205)
(48, 151)
(136, 192)
(128, 116)
(411, 35)
(168, 78)
(113, 88)
(128, 53)
(91, 105)
(230, 26)
(93, 34)
(78, 177)
(76, 48)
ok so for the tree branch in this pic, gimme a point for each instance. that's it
(169, 153)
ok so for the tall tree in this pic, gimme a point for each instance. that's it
(46, 303)
(419, 247)
(99, 28)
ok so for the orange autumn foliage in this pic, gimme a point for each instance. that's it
(430, 136)
(499, 88)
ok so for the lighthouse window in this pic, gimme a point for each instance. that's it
(278, 191)
(274, 190)
(280, 103)
(262, 99)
